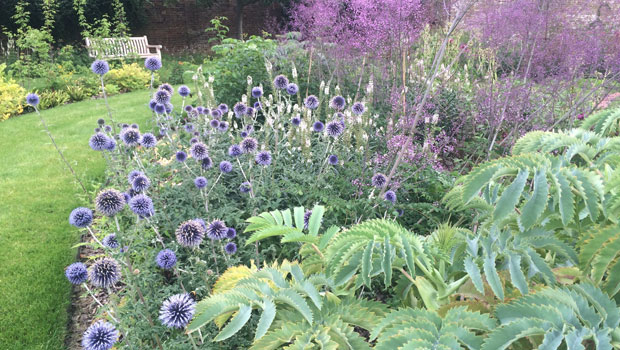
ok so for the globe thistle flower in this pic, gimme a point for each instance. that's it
(225, 166)
(223, 107)
(130, 136)
(206, 163)
(177, 311)
(200, 182)
(245, 187)
(162, 97)
(223, 126)
(76, 273)
(32, 99)
(188, 108)
(249, 111)
(358, 108)
(311, 102)
(214, 123)
(390, 196)
(216, 230)
(101, 335)
(97, 130)
(166, 259)
(152, 104)
(338, 103)
(239, 109)
(249, 128)
(184, 91)
(110, 241)
(334, 128)
(152, 63)
(378, 180)
(142, 205)
(109, 202)
(200, 109)
(333, 159)
(257, 92)
(140, 183)
(292, 89)
(249, 145)
(199, 151)
(100, 67)
(148, 140)
(169, 108)
(127, 196)
(263, 158)
(193, 140)
(202, 223)
(244, 134)
(99, 141)
(104, 273)
(107, 128)
(206, 111)
(111, 145)
(132, 175)
(135, 126)
(100, 121)
(257, 106)
(281, 82)
(216, 113)
(81, 217)
(296, 120)
(124, 126)
(189, 127)
(160, 108)
(190, 233)
(230, 248)
(318, 126)
(235, 151)
(231, 233)
(307, 216)
(166, 87)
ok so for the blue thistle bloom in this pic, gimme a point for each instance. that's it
(109, 202)
(160, 108)
(225, 166)
(169, 108)
(239, 109)
(296, 120)
(130, 136)
(76, 273)
(249, 128)
(124, 125)
(99, 141)
(135, 126)
(190, 233)
(166, 87)
(152, 63)
(223, 126)
(142, 205)
(281, 82)
(257, 92)
(333, 159)
(249, 145)
(206, 163)
(188, 108)
(214, 123)
(311, 102)
(100, 121)
(257, 106)
(200, 109)
(216, 113)
(166, 259)
(132, 175)
(292, 89)
(231, 233)
(245, 187)
(101, 335)
(235, 151)
(110, 241)
(318, 126)
(206, 111)
(334, 128)
(378, 180)
(338, 103)
(107, 128)
(199, 151)
(193, 140)
(104, 273)
(181, 156)
(152, 104)
(189, 127)
(358, 108)
(111, 145)
(216, 230)
(148, 140)
(223, 108)
(97, 130)
(100, 67)
(390, 196)
(140, 183)
(162, 97)
(202, 223)
(184, 91)
(162, 131)
(177, 311)
(244, 134)
(263, 158)
(81, 217)
(32, 99)
(127, 197)
(200, 182)
(249, 111)
(230, 248)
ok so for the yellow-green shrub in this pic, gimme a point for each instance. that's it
(129, 77)
(12, 96)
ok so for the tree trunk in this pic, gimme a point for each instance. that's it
(239, 18)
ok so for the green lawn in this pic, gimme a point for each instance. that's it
(37, 193)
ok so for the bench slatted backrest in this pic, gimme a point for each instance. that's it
(119, 47)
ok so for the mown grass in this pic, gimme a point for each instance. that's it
(37, 193)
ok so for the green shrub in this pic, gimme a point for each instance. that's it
(12, 96)
(129, 77)
(50, 99)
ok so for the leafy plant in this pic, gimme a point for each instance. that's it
(129, 77)
(12, 96)
(50, 99)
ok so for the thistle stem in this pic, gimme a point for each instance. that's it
(93, 235)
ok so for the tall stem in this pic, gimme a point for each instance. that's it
(105, 98)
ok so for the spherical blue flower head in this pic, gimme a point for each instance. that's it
(184, 91)
(311, 102)
(332, 159)
(162, 131)
(193, 140)
(99, 141)
(140, 183)
(400, 212)
(378, 180)
(127, 196)
(189, 127)
(257, 106)
(181, 156)
(110, 241)
(257, 92)
(338, 103)
(131, 192)
(190, 233)
(358, 108)
(200, 182)
(76, 273)
(132, 175)
(160, 108)
(263, 158)
(104, 273)
(318, 126)
(101, 335)
(199, 151)
(223, 107)
(109, 202)
(177, 311)
(97, 130)
(100, 67)
(166, 87)
(307, 215)
(130, 136)
(152, 104)
(200, 109)
(107, 128)
(206, 111)
(100, 121)
(202, 223)
(239, 109)
(188, 108)
(124, 125)
(111, 145)
(292, 89)
(162, 97)
(148, 140)
(81, 217)
(249, 145)
(32, 99)
(390, 196)
(166, 259)
(142, 205)
(135, 126)
(214, 123)
(230, 248)
(169, 108)
(249, 111)
(295, 121)
(334, 128)
(281, 82)
(225, 166)
(223, 126)
(216, 113)
(217, 230)
(152, 63)
(206, 163)
(244, 134)
(245, 187)
(231, 233)
(235, 151)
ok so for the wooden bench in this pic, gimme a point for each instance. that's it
(118, 48)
